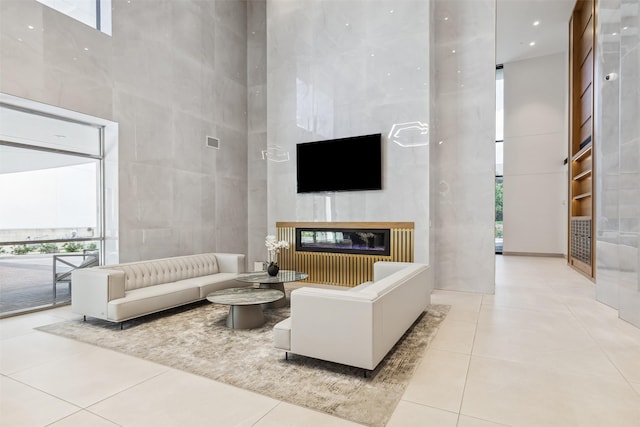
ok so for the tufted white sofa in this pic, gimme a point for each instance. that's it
(124, 291)
(357, 327)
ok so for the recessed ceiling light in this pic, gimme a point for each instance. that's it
(614, 34)
(391, 11)
(373, 54)
(86, 48)
(536, 23)
(31, 27)
(446, 18)
(625, 28)
(453, 51)
(346, 25)
(532, 44)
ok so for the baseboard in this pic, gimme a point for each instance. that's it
(539, 254)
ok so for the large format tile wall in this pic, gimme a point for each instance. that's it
(618, 157)
(257, 129)
(173, 73)
(346, 68)
(463, 144)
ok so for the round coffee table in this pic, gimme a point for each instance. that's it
(273, 282)
(245, 311)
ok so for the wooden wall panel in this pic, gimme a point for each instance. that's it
(338, 268)
(581, 141)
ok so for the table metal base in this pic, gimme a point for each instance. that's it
(283, 302)
(245, 316)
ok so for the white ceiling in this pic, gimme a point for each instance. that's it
(42, 131)
(13, 160)
(515, 29)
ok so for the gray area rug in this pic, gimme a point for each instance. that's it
(195, 339)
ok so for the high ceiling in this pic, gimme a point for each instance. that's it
(515, 30)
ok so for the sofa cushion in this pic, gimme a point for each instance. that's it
(215, 282)
(138, 302)
(167, 270)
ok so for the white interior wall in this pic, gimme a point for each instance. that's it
(535, 146)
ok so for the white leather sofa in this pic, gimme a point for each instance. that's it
(357, 327)
(124, 291)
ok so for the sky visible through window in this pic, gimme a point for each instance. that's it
(94, 13)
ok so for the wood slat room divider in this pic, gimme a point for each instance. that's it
(343, 269)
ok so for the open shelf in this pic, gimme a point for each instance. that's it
(582, 153)
(581, 137)
(582, 196)
(582, 175)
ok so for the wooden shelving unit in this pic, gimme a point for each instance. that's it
(581, 142)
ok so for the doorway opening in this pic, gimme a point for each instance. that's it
(53, 187)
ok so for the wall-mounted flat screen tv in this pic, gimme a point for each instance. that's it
(345, 164)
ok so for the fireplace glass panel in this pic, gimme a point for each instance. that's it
(344, 240)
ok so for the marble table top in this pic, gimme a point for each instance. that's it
(263, 277)
(244, 296)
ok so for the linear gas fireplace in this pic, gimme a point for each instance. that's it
(343, 253)
(363, 241)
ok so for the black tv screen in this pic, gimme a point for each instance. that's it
(345, 164)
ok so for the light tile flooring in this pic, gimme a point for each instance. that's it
(540, 352)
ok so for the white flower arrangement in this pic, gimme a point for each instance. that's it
(274, 246)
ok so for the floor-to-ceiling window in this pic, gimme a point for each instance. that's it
(499, 157)
(94, 13)
(51, 215)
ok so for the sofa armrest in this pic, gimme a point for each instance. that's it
(332, 325)
(230, 263)
(382, 269)
(93, 288)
